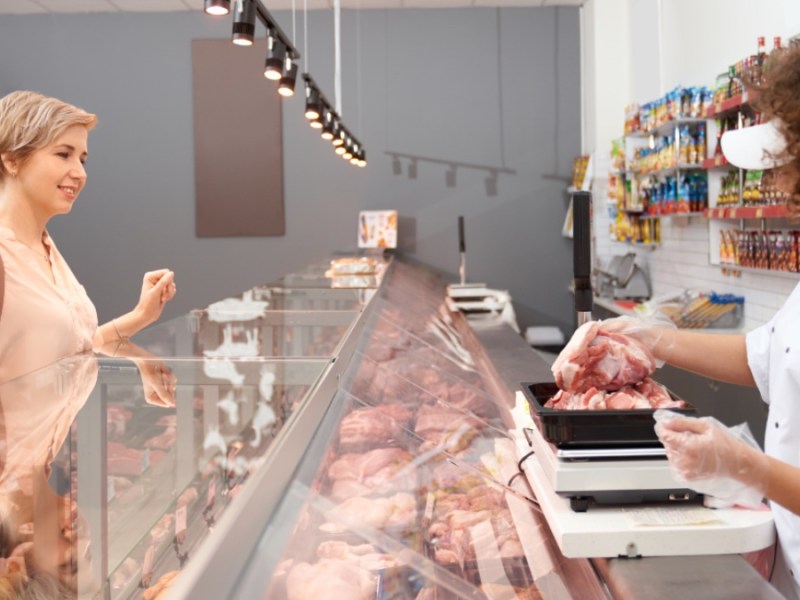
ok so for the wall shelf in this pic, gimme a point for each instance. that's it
(747, 212)
(676, 214)
(716, 162)
(770, 272)
(666, 128)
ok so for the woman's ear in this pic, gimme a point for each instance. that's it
(10, 163)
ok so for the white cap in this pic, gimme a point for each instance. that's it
(757, 147)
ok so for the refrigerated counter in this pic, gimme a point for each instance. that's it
(347, 443)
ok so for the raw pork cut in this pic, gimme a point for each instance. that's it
(594, 358)
(645, 395)
(372, 425)
(383, 470)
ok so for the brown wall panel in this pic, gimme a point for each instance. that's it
(238, 142)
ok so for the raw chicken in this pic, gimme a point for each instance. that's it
(330, 579)
(398, 511)
(372, 425)
(364, 555)
(382, 470)
(594, 358)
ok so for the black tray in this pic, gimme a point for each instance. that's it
(593, 428)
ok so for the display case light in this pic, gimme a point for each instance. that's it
(217, 8)
(244, 22)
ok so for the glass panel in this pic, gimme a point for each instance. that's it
(278, 334)
(117, 469)
(373, 514)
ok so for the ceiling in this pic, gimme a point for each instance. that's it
(27, 7)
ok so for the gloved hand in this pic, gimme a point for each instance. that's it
(657, 335)
(713, 459)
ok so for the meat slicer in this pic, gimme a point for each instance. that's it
(623, 279)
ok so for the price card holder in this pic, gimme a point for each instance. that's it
(377, 229)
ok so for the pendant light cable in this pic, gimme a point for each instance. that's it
(294, 21)
(358, 63)
(337, 74)
(305, 35)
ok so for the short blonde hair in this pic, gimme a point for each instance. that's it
(31, 121)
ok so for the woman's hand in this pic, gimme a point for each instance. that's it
(158, 288)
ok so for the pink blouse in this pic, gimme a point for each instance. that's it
(41, 321)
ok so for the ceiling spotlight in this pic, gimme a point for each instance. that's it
(276, 52)
(412, 169)
(450, 176)
(491, 184)
(244, 22)
(354, 155)
(397, 167)
(338, 141)
(288, 77)
(313, 103)
(348, 153)
(327, 126)
(316, 124)
(362, 159)
(340, 150)
(217, 7)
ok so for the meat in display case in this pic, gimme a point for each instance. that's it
(291, 443)
(109, 489)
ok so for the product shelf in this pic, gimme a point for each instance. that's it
(730, 106)
(770, 272)
(671, 170)
(676, 214)
(666, 127)
(716, 162)
(747, 212)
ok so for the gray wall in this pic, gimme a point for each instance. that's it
(493, 88)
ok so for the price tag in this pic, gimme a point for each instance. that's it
(759, 213)
(147, 565)
(429, 502)
(718, 161)
(180, 521)
(212, 493)
(732, 213)
(145, 459)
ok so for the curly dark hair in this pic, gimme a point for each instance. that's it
(778, 97)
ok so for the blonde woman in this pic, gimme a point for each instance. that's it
(46, 314)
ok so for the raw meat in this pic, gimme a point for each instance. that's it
(382, 470)
(446, 428)
(594, 358)
(645, 395)
(364, 555)
(398, 511)
(373, 424)
(330, 579)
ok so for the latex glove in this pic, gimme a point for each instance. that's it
(713, 459)
(158, 288)
(657, 335)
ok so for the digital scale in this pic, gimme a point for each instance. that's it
(622, 500)
(637, 509)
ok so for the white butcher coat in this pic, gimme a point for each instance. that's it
(773, 354)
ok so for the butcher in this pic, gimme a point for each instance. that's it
(767, 357)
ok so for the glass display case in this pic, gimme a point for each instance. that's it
(117, 469)
(322, 443)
